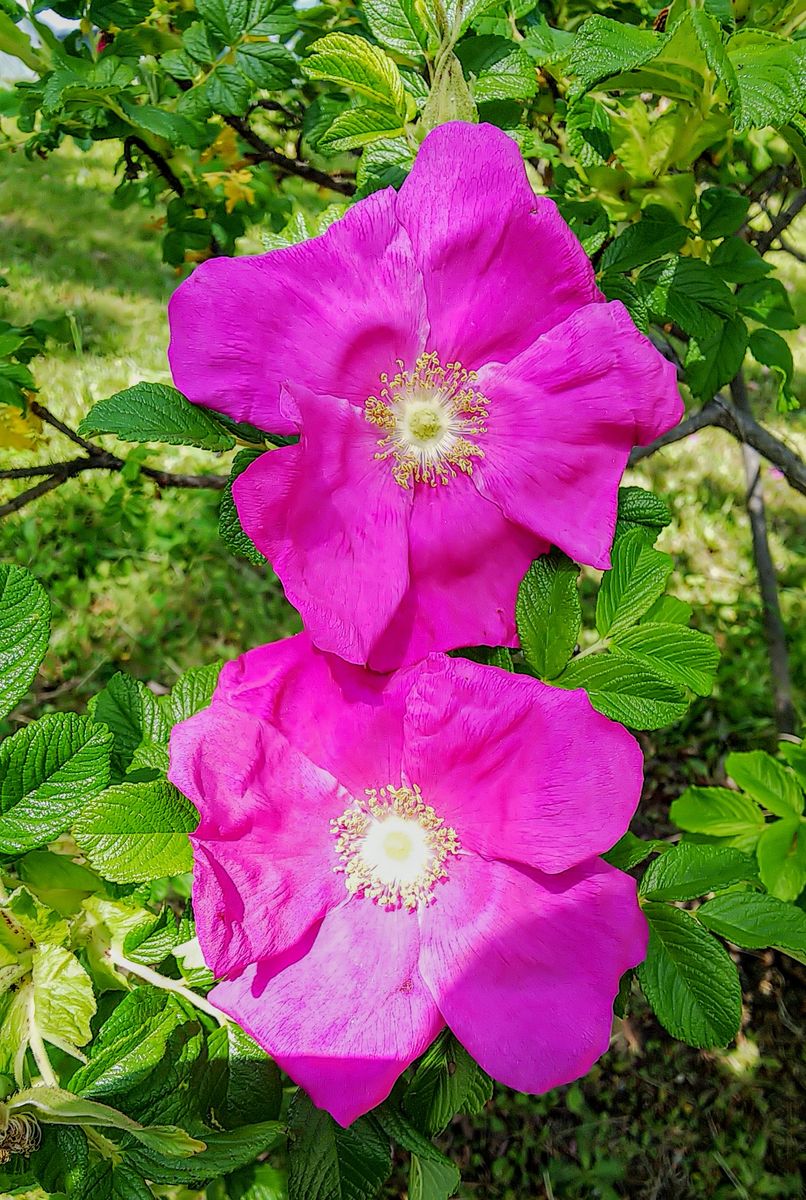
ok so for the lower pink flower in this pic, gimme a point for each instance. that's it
(379, 856)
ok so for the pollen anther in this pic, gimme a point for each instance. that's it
(393, 848)
(430, 417)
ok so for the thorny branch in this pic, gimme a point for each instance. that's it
(291, 166)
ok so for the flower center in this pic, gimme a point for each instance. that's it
(429, 417)
(393, 847)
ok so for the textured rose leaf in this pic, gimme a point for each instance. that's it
(24, 631)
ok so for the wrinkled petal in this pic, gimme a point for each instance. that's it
(264, 851)
(525, 968)
(563, 417)
(500, 264)
(520, 770)
(347, 1018)
(332, 313)
(304, 693)
(332, 522)
(465, 563)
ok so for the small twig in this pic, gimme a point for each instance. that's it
(786, 216)
(722, 414)
(774, 629)
(291, 166)
(47, 485)
(133, 170)
(46, 415)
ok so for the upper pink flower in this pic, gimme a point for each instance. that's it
(463, 394)
(378, 856)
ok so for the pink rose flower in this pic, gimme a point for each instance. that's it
(379, 856)
(463, 394)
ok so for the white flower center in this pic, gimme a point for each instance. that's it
(427, 415)
(393, 847)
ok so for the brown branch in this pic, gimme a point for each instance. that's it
(291, 166)
(46, 415)
(133, 170)
(721, 413)
(786, 216)
(774, 629)
(47, 485)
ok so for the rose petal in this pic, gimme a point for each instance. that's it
(525, 968)
(520, 770)
(563, 417)
(348, 1016)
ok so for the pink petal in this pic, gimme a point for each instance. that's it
(257, 884)
(346, 1018)
(465, 563)
(525, 968)
(345, 719)
(332, 313)
(520, 770)
(563, 418)
(500, 264)
(332, 521)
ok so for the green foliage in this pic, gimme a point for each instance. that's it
(24, 632)
(154, 412)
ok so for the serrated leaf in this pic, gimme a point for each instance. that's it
(656, 233)
(268, 64)
(63, 1000)
(230, 529)
(714, 355)
(249, 1089)
(154, 412)
(397, 25)
(548, 613)
(499, 70)
(767, 781)
(635, 581)
(47, 771)
(689, 979)
(770, 75)
(355, 64)
(604, 47)
(684, 656)
(736, 261)
(795, 755)
(137, 831)
(716, 811)
(687, 291)
(193, 691)
(767, 301)
(630, 850)
(782, 858)
(24, 633)
(755, 921)
(625, 691)
(432, 1181)
(224, 1152)
(119, 707)
(770, 349)
(668, 610)
(327, 1162)
(721, 211)
(636, 506)
(687, 871)
(358, 126)
(447, 1081)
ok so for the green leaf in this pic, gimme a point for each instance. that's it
(224, 1152)
(714, 355)
(63, 1000)
(548, 613)
(230, 529)
(397, 24)
(635, 581)
(771, 76)
(268, 64)
(229, 18)
(668, 610)
(605, 47)
(154, 412)
(193, 691)
(687, 291)
(119, 707)
(656, 233)
(499, 70)
(770, 349)
(447, 1081)
(689, 979)
(782, 858)
(630, 850)
(358, 126)
(249, 1089)
(687, 871)
(432, 1181)
(684, 656)
(356, 65)
(24, 633)
(226, 90)
(107, 1181)
(795, 755)
(716, 811)
(754, 921)
(767, 301)
(736, 261)
(767, 781)
(721, 211)
(48, 770)
(636, 506)
(625, 691)
(137, 831)
(327, 1162)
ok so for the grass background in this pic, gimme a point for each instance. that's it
(141, 582)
